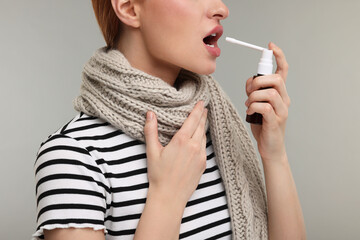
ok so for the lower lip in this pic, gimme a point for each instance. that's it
(214, 51)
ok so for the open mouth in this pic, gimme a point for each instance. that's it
(211, 40)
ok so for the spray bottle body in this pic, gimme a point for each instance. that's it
(264, 68)
(255, 118)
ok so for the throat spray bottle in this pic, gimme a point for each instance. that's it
(265, 67)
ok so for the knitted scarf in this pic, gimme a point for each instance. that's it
(120, 94)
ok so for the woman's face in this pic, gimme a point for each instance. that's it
(173, 32)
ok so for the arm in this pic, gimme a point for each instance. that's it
(284, 210)
(285, 219)
(174, 173)
(161, 218)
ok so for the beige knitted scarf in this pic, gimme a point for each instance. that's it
(121, 95)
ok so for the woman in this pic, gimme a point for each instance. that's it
(157, 150)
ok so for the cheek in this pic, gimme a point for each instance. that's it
(175, 15)
(177, 8)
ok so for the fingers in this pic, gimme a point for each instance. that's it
(191, 123)
(203, 147)
(268, 95)
(263, 108)
(151, 136)
(204, 142)
(271, 96)
(200, 130)
(248, 84)
(282, 65)
(272, 81)
(193, 127)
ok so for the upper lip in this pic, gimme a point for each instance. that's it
(218, 31)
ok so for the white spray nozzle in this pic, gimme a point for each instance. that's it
(265, 65)
(233, 40)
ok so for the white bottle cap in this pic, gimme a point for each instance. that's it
(265, 66)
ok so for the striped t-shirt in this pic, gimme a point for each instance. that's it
(91, 174)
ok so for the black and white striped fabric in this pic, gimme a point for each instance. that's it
(90, 174)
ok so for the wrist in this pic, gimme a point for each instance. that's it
(165, 199)
(280, 159)
(161, 217)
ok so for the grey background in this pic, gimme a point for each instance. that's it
(44, 45)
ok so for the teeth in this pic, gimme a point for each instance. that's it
(213, 35)
(210, 45)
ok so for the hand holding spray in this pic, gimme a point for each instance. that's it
(265, 67)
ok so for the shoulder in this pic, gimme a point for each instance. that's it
(80, 133)
(71, 188)
(83, 125)
(86, 139)
(63, 156)
(67, 150)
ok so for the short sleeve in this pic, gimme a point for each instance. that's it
(71, 189)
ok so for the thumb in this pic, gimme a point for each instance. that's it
(153, 145)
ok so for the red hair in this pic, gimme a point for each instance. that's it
(108, 22)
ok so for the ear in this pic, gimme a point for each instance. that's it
(126, 11)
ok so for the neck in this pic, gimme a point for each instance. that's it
(131, 44)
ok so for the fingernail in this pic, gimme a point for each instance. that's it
(246, 102)
(149, 116)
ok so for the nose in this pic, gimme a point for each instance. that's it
(218, 10)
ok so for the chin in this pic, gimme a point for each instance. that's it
(205, 69)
